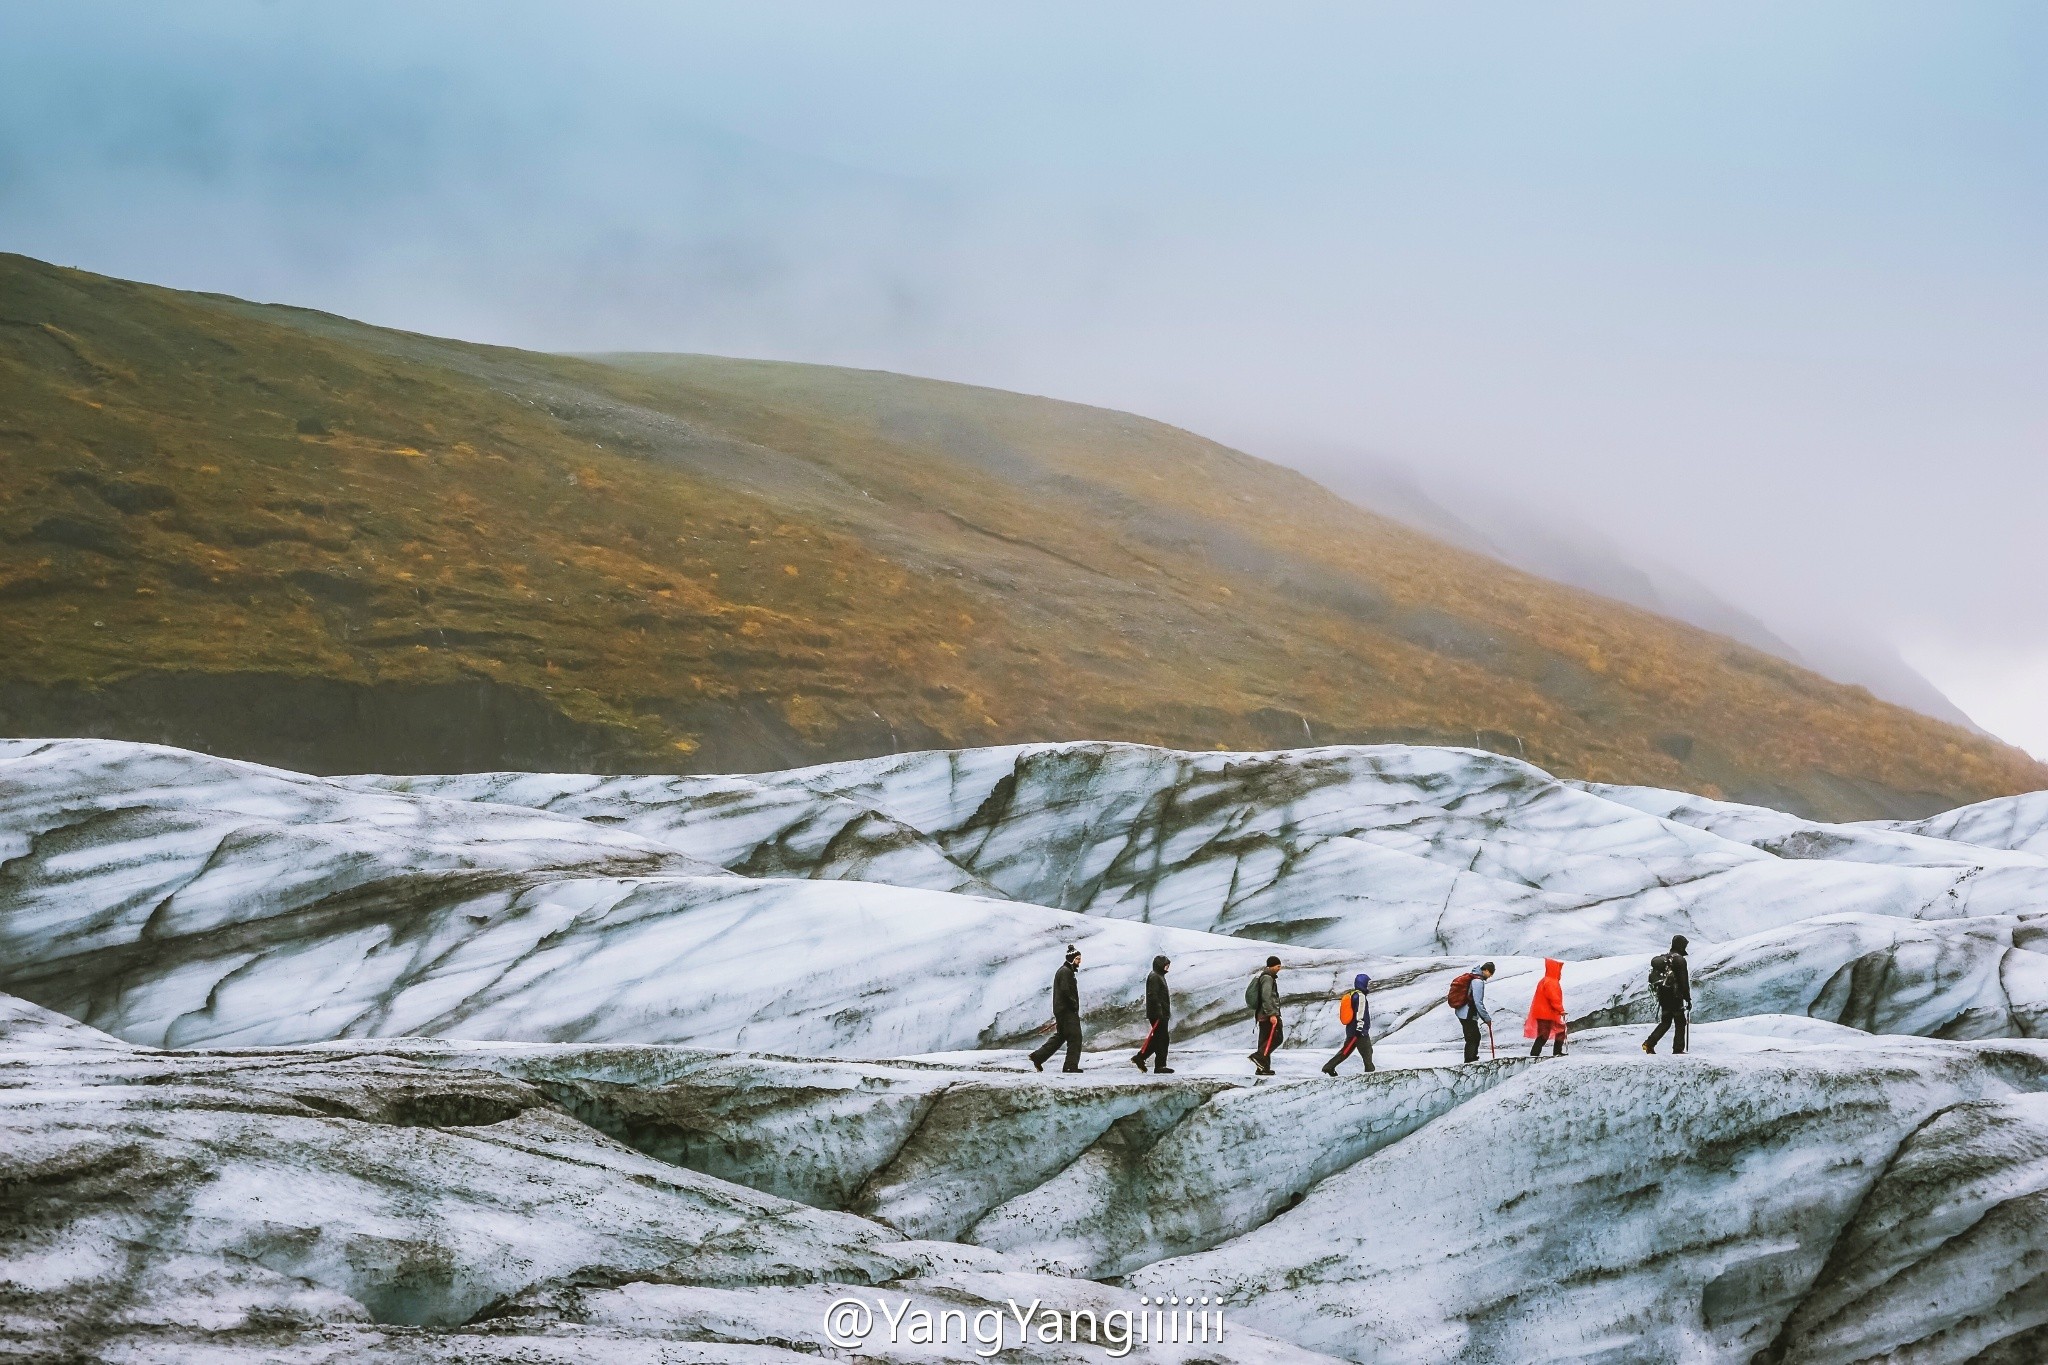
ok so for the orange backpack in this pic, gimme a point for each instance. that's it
(1347, 1006)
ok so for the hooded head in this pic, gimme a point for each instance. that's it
(1678, 942)
(1362, 981)
(1553, 970)
(1160, 963)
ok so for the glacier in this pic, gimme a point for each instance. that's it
(566, 1066)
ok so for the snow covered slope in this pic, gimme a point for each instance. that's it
(2018, 823)
(1387, 849)
(1797, 1193)
(1801, 1202)
(174, 899)
(595, 1068)
(311, 1207)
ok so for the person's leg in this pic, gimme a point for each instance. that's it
(1471, 1025)
(1664, 1018)
(1146, 1048)
(1680, 1027)
(1557, 1043)
(1542, 1037)
(1159, 1047)
(1045, 1049)
(1350, 1042)
(1365, 1048)
(1071, 1028)
(1269, 1039)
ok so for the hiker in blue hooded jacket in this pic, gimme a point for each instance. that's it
(1468, 1001)
(1357, 1017)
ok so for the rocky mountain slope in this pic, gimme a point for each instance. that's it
(570, 1067)
(279, 535)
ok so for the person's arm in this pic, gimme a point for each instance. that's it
(1685, 980)
(1479, 999)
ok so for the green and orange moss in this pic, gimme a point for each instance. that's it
(194, 484)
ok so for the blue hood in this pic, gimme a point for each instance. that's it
(1362, 981)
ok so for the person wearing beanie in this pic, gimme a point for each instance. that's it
(1671, 979)
(1066, 1014)
(1357, 1017)
(1159, 1014)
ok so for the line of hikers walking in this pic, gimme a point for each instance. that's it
(1670, 981)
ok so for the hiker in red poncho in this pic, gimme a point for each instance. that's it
(1546, 1011)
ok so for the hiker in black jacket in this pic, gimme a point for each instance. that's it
(1066, 1015)
(1159, 1014)
(1673, 984)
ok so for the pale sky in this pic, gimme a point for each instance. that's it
(1754, 292)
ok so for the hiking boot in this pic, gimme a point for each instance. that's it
(1329, 1068)
(1647, 1048)
(1138, 1062)
(1264, 1071)
(1162, 1071)
(1037, 1065)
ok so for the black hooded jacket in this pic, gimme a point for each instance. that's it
(1066, 991)
(1158, 1004)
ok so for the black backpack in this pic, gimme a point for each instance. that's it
(1664, 973)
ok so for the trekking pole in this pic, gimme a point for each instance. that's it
(1491, 1050)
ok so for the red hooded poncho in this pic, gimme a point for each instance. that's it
(1548, 1004)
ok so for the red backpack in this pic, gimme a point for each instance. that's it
(1461, 991)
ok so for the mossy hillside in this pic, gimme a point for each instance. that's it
(682, 550)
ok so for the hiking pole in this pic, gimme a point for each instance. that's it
(1491, 1050)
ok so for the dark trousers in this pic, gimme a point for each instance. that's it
(1672, 1018)
(1471, 1024)
(1359, 1042)
(1543, 1036)
(1154, 1045)
(1270, 1034)
(1067, 1029)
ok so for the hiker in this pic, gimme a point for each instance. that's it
(1158, 1013)
(1263, 995)
(1673, 984)
(1467, 999)
(1357, 1016)
(1066, 1015)
(1546, 1011)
